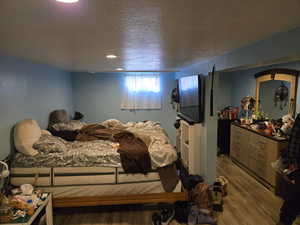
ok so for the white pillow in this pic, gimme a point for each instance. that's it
(113, 123)
(45, 132)
(26, 133)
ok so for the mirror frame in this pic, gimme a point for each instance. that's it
(282, 75)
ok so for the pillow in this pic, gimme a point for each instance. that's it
(26, 133)
(58, 116)
(113, 123)
(45, 132)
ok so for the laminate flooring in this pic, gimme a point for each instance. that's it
(248, 203)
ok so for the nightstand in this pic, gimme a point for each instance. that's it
(47, 205)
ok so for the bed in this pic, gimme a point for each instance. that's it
(90, 173)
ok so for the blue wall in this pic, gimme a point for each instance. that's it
(285, 45)
(98, 97)
(29, 90)
(242, 83)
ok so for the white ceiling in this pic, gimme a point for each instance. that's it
(145, 34)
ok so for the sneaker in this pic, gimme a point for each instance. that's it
(167, 215)
(156, 219)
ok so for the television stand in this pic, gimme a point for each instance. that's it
(190, 146)
(186, 119)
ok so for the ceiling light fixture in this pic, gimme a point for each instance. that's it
(120, 69)
(67, 1)
(111, 56)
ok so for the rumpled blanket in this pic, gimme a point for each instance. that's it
(57, 152)
(161, 151)
(135, 157)
(168, 177)
(96, 131)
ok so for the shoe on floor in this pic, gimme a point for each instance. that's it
(156, 219)
(197, 217)
(166, 216)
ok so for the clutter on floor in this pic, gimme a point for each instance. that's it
(204, 204)
(21, 204)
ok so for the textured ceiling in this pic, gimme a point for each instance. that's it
(145, 34)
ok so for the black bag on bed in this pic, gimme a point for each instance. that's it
(68, 135)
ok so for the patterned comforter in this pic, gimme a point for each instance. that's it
(56, 152)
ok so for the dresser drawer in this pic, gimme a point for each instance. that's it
(256, 152)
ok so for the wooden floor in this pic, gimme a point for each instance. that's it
(247, 203)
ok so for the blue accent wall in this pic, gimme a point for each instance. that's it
(282, 46)
(242, 83)
(29, 90)
(98, 97)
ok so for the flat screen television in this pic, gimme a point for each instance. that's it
(191, 98)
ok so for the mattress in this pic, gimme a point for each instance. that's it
(153, 187)
(88, 181)
(56, 152)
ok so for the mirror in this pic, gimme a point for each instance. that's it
(273, 97)
(276, 92)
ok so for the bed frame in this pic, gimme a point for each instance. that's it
(110, 200)
(48, 178)
(120, 200)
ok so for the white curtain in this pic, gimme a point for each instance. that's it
(141, 92)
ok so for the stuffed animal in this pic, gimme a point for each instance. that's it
(224, 184)
(217, 197)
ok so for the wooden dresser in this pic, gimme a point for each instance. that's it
(254, 152)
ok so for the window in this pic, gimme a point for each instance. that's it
(141, 92)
